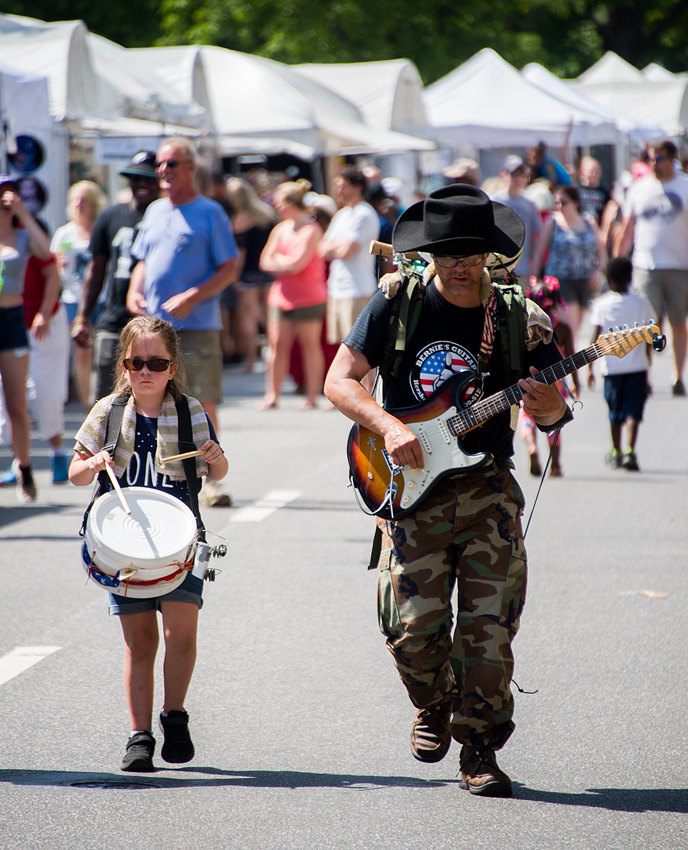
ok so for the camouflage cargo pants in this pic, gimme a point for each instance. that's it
(467, 534)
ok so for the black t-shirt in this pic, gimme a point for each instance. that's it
(593, 201)
(142, 471)
(446, 341)
(113, 235)
(253, 241)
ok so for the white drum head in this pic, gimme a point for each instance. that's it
(158, 532)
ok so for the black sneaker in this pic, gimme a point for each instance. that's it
(139, 755)
(678, 390)
(630, 461)
(26, 489)
(178, 747)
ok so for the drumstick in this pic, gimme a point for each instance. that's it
(118, 489)
(382, 249)
(182, 456)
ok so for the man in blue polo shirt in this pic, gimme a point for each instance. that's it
(187, 256)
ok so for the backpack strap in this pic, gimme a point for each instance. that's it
(114, 426)
(186, 444)
(511, 304)
(407, 306)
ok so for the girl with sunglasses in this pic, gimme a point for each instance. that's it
(150, 374)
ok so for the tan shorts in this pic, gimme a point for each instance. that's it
(341, 316)
(666, 290)
(203, 361)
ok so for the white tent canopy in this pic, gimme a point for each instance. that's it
(389, 93)
(615, 83)
(259, 98)
(486, 102)
(88, 76)
(548, 82)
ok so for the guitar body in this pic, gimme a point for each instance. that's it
(394, 492)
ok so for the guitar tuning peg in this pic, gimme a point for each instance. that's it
(627, 327)
(610, 330)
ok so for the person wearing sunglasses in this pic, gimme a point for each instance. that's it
(467, 533)
(655, 225)
(151, 378)
(186, 256)
(110, 269)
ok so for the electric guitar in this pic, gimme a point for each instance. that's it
(392, 491)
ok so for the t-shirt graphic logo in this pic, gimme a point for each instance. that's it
(668, 207)
(438, 362)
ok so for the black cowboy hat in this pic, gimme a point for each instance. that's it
(459, 220)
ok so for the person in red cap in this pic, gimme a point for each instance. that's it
(467, 532)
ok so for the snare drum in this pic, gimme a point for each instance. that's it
(143, 554)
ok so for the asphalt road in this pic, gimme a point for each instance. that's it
(300, 722)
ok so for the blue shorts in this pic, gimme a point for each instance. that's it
(625, 396)
(190, 590)
(12, 331)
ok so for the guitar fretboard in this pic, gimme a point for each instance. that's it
(469, 418)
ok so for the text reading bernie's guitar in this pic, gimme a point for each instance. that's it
(392, 492)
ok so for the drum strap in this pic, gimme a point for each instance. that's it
(186, 444)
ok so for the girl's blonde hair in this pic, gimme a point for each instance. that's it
(244, 199)
(91, 191)
(137, 329)
(293, 193)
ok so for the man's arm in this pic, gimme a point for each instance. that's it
(543, 402)
(93, 286)
(136, 303)
(344, 389)
(624, 240)
(179, 306)
(340, 249)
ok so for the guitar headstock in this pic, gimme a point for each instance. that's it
(621, 341)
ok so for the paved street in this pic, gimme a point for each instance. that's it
(300, 723)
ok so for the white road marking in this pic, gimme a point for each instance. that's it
(21, 658)
(271, 502)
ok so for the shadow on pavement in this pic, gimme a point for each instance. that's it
(216, 777)
(614, 799)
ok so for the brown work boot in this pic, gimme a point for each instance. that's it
(480, 773)
(430, 735)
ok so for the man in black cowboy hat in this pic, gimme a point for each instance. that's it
(467, 532)
(113, 234)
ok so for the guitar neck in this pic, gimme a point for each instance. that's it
(473, 416)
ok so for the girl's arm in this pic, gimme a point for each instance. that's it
(84, 468)
(218, 465)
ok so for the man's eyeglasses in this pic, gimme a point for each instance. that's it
(657, 158)
(453, 262)
(168, 163)
(156, 364)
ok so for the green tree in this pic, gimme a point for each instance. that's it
(566, 36)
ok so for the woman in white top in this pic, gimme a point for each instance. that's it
(70, 244)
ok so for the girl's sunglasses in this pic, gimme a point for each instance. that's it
(157, 364)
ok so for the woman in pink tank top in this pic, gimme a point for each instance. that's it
(297, 298)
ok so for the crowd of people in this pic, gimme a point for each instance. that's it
(285, 272)
(143, 301)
